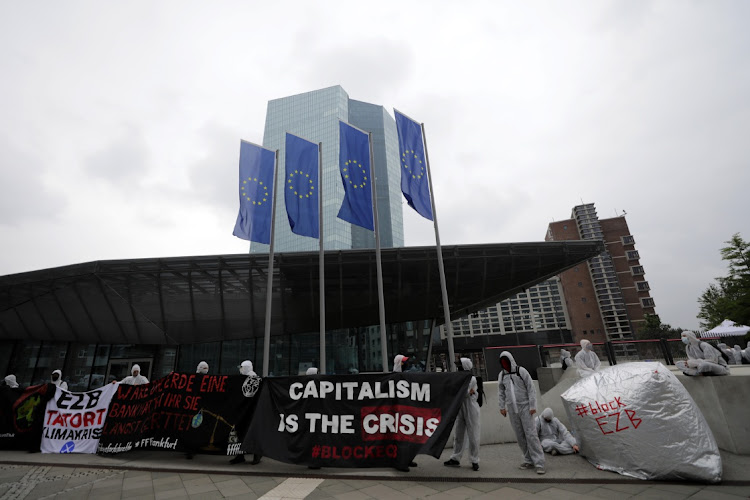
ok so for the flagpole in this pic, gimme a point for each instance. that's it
(269, 273)
(378, 261)
(321, 264)
(444, 289)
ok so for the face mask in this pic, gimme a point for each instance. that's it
(548, 421)
(685, 340)
(55, 376)
(505, 364)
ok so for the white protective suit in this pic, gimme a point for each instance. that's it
(311, 371)
(398, 362)
(586, 360)
(246, 368)
(746, 353)
(59, 382)
(737, 353)
(565, 360)
(726, 350)
(703, 359)
(134, 379)
(10, 381)
(202, 368)
(517, 396)
(467, 422)
(553, 434)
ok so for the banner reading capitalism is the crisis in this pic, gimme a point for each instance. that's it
(373, 420)
(73, 421)
(187, 412)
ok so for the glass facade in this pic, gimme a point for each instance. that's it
(88, 366)
(315, 116)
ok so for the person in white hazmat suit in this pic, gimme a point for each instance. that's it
(135, 377)
(703, 359)
(586, 360)
(554, 436)
(58, 381)
(246, 369)
(565, 360)
(726, 350)
(737, 353)
(746, 353)
(398, 362)
(202, 369)
(517, 400)
(398, 367)
(467, 423)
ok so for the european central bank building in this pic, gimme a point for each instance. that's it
(315, 116)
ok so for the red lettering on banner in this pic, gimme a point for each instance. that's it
(617, 425)
(631, 414)
(602, 424)
(213, 383)
(191, 402)
(399, 423)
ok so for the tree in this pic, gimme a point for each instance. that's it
(653, 328)
(729, 297)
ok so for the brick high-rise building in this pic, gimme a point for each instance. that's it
(608, 297)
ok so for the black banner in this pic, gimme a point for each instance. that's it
(374, 420)
(184, 412)
(22, 416)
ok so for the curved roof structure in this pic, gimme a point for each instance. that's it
(182, 300)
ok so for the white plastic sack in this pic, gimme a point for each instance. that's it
(638, 420)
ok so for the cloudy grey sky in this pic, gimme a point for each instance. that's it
(120, 121)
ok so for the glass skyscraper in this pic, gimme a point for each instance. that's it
(315, 116)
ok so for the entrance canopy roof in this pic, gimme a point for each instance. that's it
(183, 300)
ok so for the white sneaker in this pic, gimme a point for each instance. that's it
(553, 452)
(540, 470)
(526, 466)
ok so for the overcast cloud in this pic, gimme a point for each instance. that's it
(120, 122)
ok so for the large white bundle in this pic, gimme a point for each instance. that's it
(638, 420)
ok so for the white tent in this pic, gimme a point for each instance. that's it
(727, 328)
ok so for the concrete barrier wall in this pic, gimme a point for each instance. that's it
(724, 402)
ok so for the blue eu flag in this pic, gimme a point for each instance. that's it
(256, 193)
(414, 182)
(301, 186)
(354, 164)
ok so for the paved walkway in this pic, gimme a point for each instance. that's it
(161, 475)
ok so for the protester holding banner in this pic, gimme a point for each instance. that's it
(398, 366)
(58, 381)
(398, 363)
(10, 381)
(135, 377)
(246, 369)
(517, 399)
(202, 369)
(467, 425)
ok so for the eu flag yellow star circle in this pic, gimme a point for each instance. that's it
(258, 195)
(358, 167)
(417, 170)
(298, 189)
